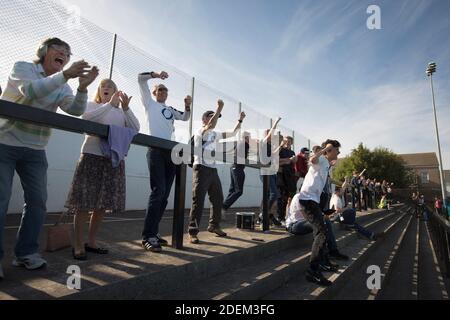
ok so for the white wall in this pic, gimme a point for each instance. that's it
(63, 152)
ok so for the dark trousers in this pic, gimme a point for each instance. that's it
(205, 180)
(314, 216)
(162, 173)
(286, 188)
(237, 174)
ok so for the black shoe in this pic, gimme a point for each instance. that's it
(95, 250)
(162, 241)
(315, 276)
(337, 255)
(151, 244)
(80, 257)
(329, 267)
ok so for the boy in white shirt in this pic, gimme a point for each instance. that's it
(312, 188)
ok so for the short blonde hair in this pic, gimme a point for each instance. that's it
(98, 98)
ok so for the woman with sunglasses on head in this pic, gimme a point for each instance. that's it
(97, 185)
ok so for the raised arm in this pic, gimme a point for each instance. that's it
(272, 130)
(236, 129)
(186, 115)
(213, 121)
(315, 158)
(146, 95)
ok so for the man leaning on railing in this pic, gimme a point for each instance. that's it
(40, 84)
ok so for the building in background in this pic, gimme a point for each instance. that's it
(426, 170)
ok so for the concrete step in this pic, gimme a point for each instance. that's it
(260, 277)
(431, 284)
(129, 272)
(358, 249)
(353, 285)
(401, 278)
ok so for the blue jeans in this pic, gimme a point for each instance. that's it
(31, 166)
(300, 228)
(331, 239)
(236, 187)
(273, 189)
(349, 216)
(162, 173)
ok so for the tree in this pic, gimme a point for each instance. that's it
(381, 164)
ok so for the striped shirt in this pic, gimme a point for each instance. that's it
(29, 85)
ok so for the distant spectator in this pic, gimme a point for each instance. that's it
(438, 205)
(272, 154)
(301, 166)
(42, 85)
(347, 216)
(286, 177)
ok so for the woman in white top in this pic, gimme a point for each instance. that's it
(97, 186)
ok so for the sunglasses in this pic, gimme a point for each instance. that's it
(162, 90)
(61, 49)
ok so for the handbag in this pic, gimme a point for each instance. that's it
(59, 235)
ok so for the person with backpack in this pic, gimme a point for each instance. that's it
(161, 119)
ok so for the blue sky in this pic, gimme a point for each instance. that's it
(314, 63)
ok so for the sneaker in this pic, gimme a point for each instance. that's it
(338, 256)
(30, 262)
(217, 231)
(275, 221)
(2, 275)
(194, 239)
(329, 267)
(162, 242)
(151, 244)
(315, 276)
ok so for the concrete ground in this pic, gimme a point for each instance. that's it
(127, 259)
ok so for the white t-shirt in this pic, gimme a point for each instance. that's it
(315, 180)
(295, 211)
(336, 202)
(161, 118)
(209, 147)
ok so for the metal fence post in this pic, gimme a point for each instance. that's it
(191, 119)
(113, 55)
(265, 206)
(179, 207)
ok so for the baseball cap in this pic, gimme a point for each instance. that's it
(304, 150)
(209, 113)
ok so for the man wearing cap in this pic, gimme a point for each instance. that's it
(205, 178)
(161, 119)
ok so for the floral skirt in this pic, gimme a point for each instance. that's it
(97, 185)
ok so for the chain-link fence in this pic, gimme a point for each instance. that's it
(24, 24)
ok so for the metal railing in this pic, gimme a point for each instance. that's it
(440, 235)
(49, 119)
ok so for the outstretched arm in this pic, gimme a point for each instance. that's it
(236, 128)
(213, 121)
(272, 130)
